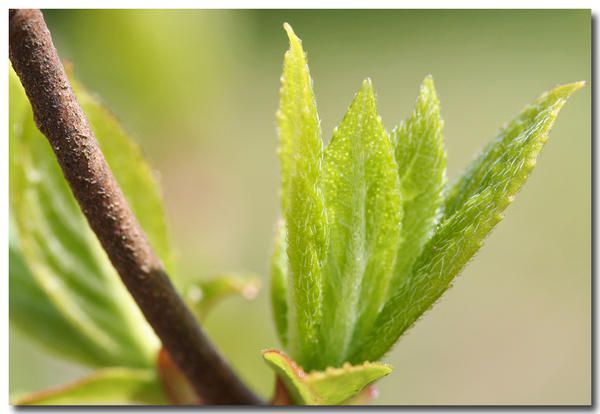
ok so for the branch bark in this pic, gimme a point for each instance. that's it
(60, 118)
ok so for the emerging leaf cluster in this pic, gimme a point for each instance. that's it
(371, 236)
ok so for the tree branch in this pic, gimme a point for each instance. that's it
(60, 118)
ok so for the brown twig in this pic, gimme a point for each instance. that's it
(60, 118)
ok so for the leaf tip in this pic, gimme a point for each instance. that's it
(291, 34)
(428, 79)
(387, 368)
(287, 27)
(272, 354)
(366, 88)
(564, 91)
(268, 352)
(428, 88)
(250, 289)
(278, 359)
(579, 84)
(383, 367)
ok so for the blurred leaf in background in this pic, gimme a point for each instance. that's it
(74, 302)
(150, 62)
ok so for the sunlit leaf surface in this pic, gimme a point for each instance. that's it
(364, 209)
(473, 207)
(300, 153)
(421, 158)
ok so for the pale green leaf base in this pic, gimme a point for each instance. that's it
(334, 386)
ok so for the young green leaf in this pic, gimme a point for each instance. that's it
(341, 385)
(64, 258)
(473, 209)
(300, 154)
(107, 386)
(368, 394)
(279, 283)
(333, 386)
(32, 312)
(204, 295)
(525, 134)
(421, 158)
(362, 193)
(30, 308)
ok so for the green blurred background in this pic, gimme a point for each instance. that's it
(199, 90)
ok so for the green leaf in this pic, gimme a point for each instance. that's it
(302, 202)
(32, 311)
(473, 208)
(204, 295)
(421, 158)
(368, 394)
(279, 283)
(109, 386)
(362, 191)
(64, 258)
(17, 104)
(333, 386)
(520, 141)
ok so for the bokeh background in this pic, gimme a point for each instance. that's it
(199, 89)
